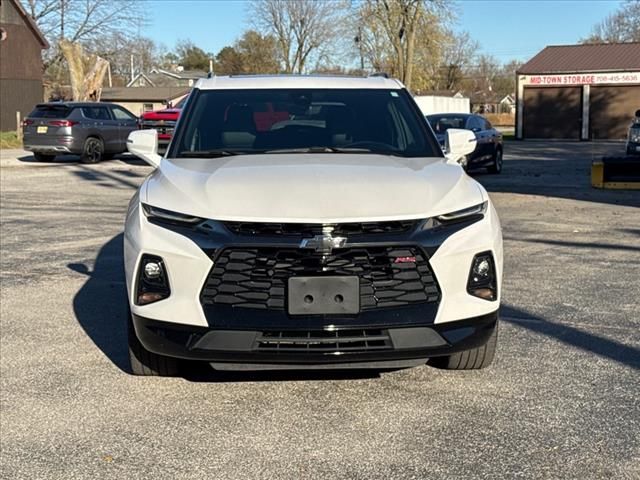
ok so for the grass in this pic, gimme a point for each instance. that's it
(10, 140)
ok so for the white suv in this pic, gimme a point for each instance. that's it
(309, 222)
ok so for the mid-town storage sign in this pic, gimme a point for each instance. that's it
(581, 79)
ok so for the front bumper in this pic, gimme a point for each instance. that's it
(392, 346)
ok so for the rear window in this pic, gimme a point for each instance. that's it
(274, 121)
(50, 111)
(442, 123)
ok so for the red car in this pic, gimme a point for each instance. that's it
(164, 121)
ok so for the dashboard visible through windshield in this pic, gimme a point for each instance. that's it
(233, 122)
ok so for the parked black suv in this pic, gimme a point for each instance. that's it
(633, 137)
(488, 152)
(95, 131)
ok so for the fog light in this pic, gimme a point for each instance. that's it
(152, 270)
(482, 277)
(153, 282)
(481, 269)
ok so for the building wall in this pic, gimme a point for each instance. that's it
(17, 96)
(20, 67)
(603, 110)
(435, 104)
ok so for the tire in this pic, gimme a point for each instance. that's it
(93, 150)
(473, 359)
(43, 157)
(497, 162)
(146, 363)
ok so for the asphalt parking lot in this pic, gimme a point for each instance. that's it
(561, 401)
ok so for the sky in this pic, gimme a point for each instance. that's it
(507, 29)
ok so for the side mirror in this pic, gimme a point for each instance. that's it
(144, 144)
(459, 143)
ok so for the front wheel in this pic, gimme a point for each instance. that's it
(93, 150)
(473, 359)
(146, 363)
(497, 162)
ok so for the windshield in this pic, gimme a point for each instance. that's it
(231, 122)
(442, 123)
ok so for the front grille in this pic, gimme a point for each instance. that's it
(165, 127)
(322, 341)
(312, 229)
(257, 277)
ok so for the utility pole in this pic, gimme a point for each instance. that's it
(62, 4)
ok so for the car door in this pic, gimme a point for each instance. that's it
(103, 125)
(127, 123)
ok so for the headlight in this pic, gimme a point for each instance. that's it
(463, 214)
(634, 135)
(167, 216)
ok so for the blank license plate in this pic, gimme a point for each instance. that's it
(324, 295)
(42, 129)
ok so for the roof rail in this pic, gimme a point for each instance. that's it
(379, 74)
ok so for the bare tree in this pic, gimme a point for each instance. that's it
(621, 26)
(458, 53)
(305, 30)
(86, 71)
(392, 29)
(84, 21)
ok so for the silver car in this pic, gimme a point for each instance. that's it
(95, 131)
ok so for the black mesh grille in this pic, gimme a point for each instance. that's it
(323, 341)
(312, 229)
(257, 277)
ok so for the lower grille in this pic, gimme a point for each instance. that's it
(257, 277)
(322, 341)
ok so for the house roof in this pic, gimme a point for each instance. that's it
(142, 94)
(184, 74)
(31, 24)
(438, 93)
(599, 57)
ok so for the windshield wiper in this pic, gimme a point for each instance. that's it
(208, 153)
(320, 150)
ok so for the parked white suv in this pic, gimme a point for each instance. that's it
(309, 222)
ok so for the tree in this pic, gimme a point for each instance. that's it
(83, 21)
(304, 30)
(229, 62)
(395, 32)
(192, 57)
(258, 52)
(621, 26)
(458, 54)
(86, 71)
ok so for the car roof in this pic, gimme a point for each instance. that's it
(75, 104)
(441, 115)
(233, 82)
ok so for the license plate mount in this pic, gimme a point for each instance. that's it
(323, 295)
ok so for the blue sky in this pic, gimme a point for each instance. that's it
(505, 28)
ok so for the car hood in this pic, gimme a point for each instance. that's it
(322, 188)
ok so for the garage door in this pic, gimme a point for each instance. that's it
(611, 110)
(552, 112)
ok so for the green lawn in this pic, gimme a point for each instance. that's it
(10, 140)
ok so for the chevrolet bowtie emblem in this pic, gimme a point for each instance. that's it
(324, 243)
